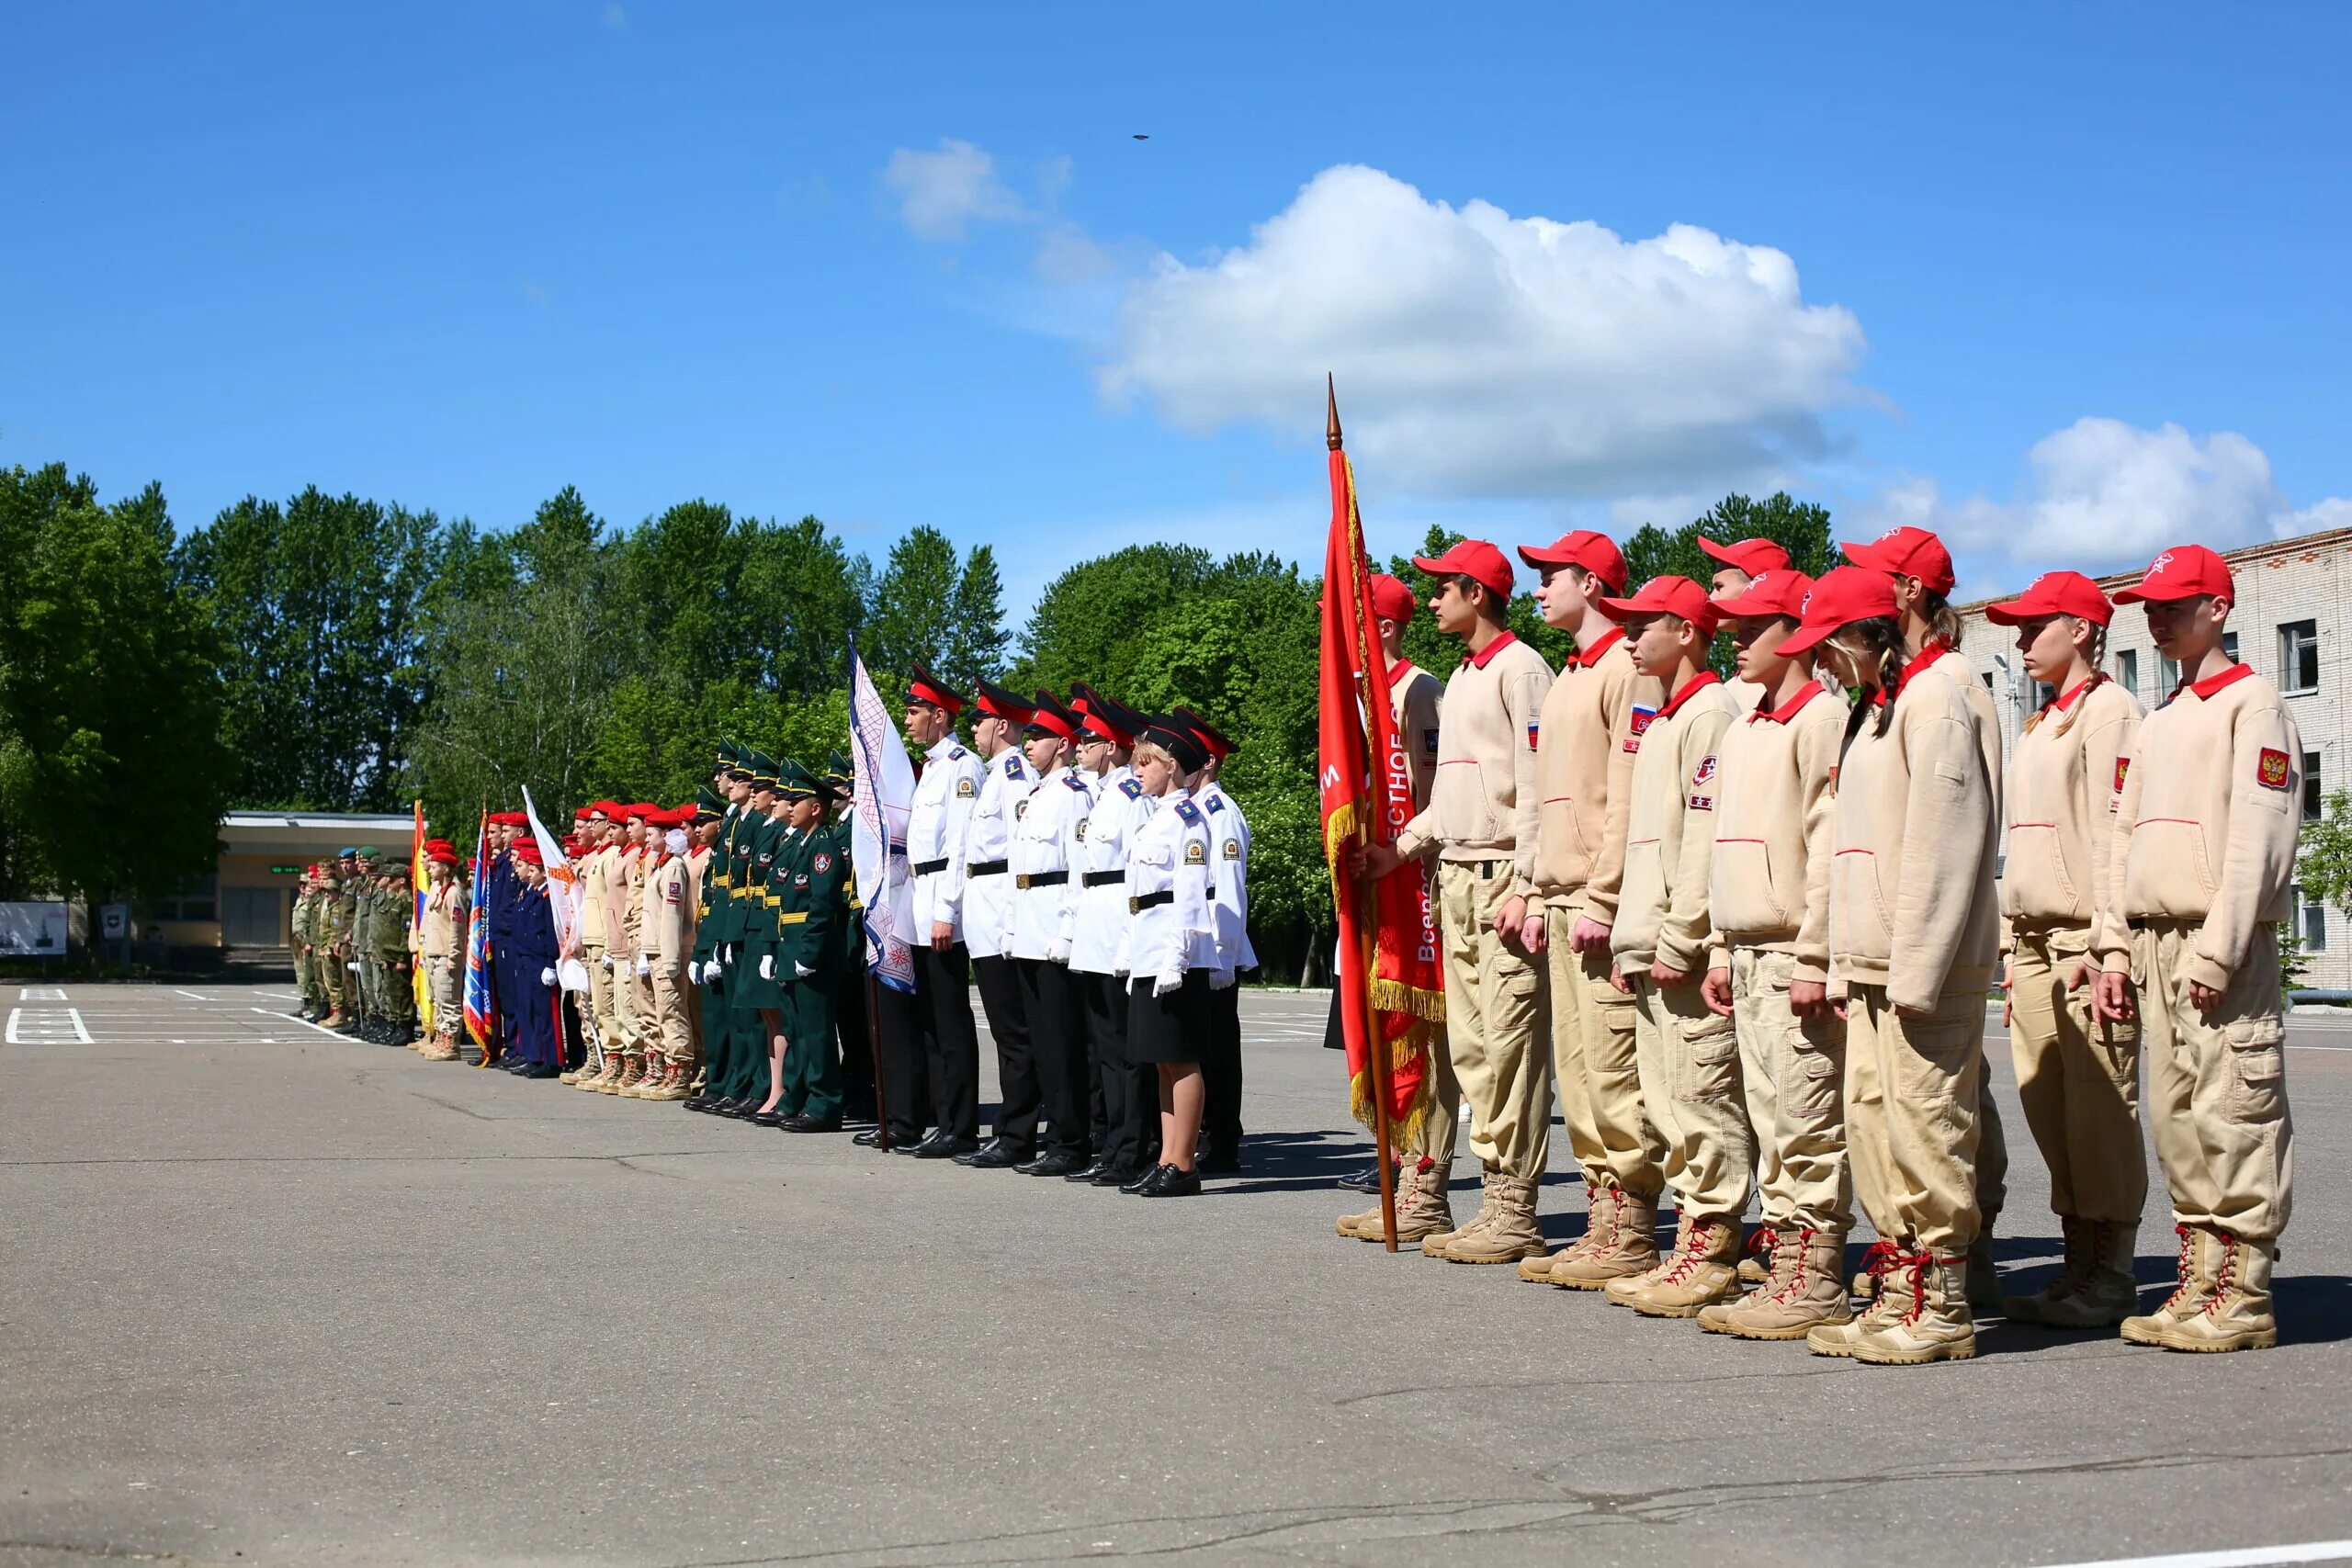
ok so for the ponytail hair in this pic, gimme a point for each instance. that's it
(1944, 621)
(1879, 640)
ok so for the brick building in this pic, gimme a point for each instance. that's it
(2289, 625)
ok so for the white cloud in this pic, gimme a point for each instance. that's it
(1479, 353)
(2101, 492)
(941, 193)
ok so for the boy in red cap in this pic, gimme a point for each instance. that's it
(1916, 561)
(596, 866)
(1687, 1054)
(1768, 898)
(443, 949)
(1738, 564)
(1481, 825)
(2205, 834)
(1592, 722)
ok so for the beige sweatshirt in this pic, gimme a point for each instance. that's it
(2205, 830)
(595, 888)
(1911, 900)
(1982, 714)
(1483, 805)
(630, 894)
(1670, 831)
(444, 921)
(1584, 772)
(1769, 883)
(2061, 800)
(669, 923)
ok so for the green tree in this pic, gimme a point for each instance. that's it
(113, 770)
(1086, 625)
(1799, 527)
(909, 615)
(976, 638)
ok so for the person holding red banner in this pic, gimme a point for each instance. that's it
(1481, 825)
(1592, 726)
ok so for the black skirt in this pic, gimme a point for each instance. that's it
(1170, 1029)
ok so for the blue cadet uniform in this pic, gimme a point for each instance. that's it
(531, 953)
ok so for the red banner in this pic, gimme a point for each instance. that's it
(1389, 982)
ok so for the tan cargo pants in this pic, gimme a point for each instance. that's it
(2079, 1079)
(1687, 1058)
(627, 1033)
(1610, 1135)
(1793, 1071)
(600, 997)
(1913, 1086)
(675, 1034)
(2217, 1086)
(1494, 1023)
(448, 1004)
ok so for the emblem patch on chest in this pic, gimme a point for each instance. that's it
(823, 862)
(1640, 721)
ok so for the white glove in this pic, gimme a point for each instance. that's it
(804, 971)
(547, 977)
(353, 967)
(1220, 980)
(608, 961)
(1167, 983)
(644, 966)
(1059, 952)
(694, 972)
(767, 965)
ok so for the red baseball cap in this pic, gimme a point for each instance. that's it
(1597, 553)
(1774, 592)
(1907, 552)
(2054, 593)
(1670, 596)
(1843, 595)
(1473, 558)
(1391, 600)
(2183, 571)
(1753, 556)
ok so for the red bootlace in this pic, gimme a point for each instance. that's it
(1700, 1231)
(1799, 1245)
(2223, 1275)
(2183, 1270)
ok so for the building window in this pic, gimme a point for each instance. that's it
(2312, 921)
(2229, 647)
(194, 902)
(2298, 655)
(2314, 797)
(2168, 671)
(2127, 671)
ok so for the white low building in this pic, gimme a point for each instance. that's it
(2289, 625)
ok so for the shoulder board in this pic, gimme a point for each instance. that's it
(1131, 788)
(1075, 783)
(1013, 766)
(1216, 804)
(1188, 812)
(954, 753)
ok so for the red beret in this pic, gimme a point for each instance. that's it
(528, 849)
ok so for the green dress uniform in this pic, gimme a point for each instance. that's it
(721, 929)
(811, 915)
(711, 1021)
(770, 849)
(850, 1023)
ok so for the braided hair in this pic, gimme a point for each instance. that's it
(1879, 640)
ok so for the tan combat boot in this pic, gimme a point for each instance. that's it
(440, 1048)
(1434, 1244)
(1704, 1272)
(2104, 1292)
(1629, 1251)
(1807, 1291)
(2235, 1314)
(624, 1077)
(672, 1086)
(1423, 1210)
(1597, 1210)
(1983, 1279)
(1620, 1289)
(2193, 1274)
(2068, 1279)
(1507, 1237)
(1932, 1323)
(1355, 1225)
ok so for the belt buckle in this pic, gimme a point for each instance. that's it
(1021, 881)
(1135, 905)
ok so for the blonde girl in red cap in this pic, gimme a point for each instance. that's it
(2077, 1075)
(1914, 943)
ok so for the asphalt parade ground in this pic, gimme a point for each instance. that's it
(268, 1295)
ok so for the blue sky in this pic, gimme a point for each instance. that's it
(906, 264)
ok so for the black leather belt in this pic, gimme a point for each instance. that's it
(1142, 901)
(927, 867)
(1041, 879)
(1104, 878)
(986, 868)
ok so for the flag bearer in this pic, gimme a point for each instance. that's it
(2206, 835)
(444, 950)
(938, 824)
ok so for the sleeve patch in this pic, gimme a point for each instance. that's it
(1531, 736)
(1081, 827)
(1706, 771)
(1233, 849)
(1196, 854)
(823, 862)
(2271, 769)
(966, 789)
(1640, 720)
(2122, 767)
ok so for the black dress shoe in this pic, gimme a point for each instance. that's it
(995, 1154)
(1224, 1162)
(1118, 1175)
(936, 1147)
(1172, 1183)
(1365, 1180)
(1051, 1164)
(904, 1145)
(808, 1123)
(1143, 1180)
(696, 1103)
(736, 1110)
(539, 1070)
(868, 1139)
(1088, 1172)
(765, 1118)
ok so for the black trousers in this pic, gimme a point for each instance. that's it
(856, 1039)
(906, 1060)
(1057, 1039)
(953, 1051)
(1016, 1067)
(1128, 1095)
(1221, 1073)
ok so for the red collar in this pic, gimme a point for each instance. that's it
(1402, 665)
(1588, 657)
(1697, 684)
(1925, 657)
(1788, 710)
(1478, 660)
(2065, 700)
(2213, 684)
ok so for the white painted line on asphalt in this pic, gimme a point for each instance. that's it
(9, 1037)
(79, 1033)
(41, 993)
(194, 998)
(2292, 1046)
(303, 1021)
(2238, 1557)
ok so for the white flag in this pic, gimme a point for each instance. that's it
(564, 896)
(886, 794)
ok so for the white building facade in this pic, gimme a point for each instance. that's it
(2289, 625)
